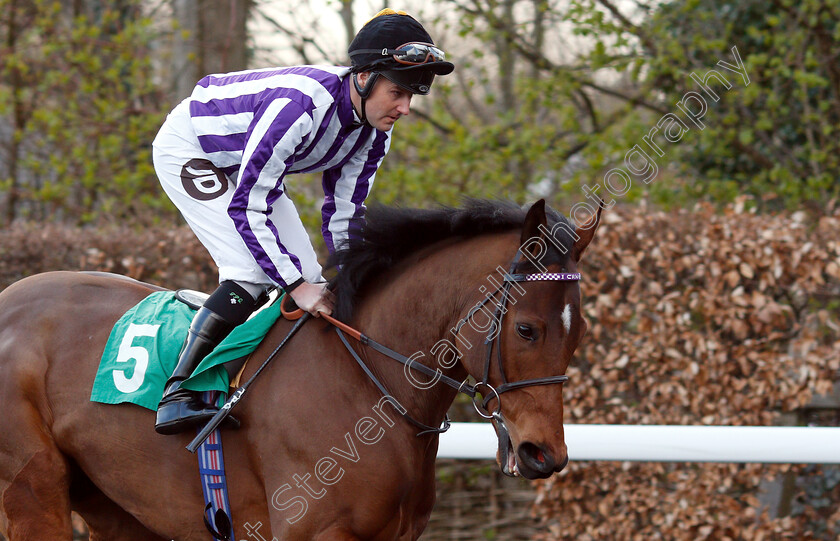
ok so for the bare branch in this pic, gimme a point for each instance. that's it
(428, 118)
(628, 25)
(299, 41)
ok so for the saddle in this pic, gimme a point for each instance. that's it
(143, 348)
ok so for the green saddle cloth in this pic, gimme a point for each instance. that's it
(144, 345)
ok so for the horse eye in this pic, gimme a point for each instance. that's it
(525, 331)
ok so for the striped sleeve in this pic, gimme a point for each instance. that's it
(345, 191)
(278, 131)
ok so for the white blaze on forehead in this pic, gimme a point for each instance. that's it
(567, 317)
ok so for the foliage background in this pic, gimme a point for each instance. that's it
(548, 97)
(702, 318)
(696, 317)
(80, 109)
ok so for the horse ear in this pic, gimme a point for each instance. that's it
(585, 233)
(531, 228)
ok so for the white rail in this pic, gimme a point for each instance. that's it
(667, 443)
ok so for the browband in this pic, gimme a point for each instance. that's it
(544, 276)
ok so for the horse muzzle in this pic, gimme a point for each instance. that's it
(536, 462)
(529, 460)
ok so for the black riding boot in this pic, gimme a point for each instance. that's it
(181, 409)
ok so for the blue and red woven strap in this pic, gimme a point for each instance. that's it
(211, 469)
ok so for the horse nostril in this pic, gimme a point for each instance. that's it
(536, 457)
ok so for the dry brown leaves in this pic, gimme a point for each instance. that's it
(167, 256)
(696, 317)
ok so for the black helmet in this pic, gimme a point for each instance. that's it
(397, 46)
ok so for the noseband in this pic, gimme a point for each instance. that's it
(493, 338)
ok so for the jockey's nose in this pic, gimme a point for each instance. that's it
(404, 105)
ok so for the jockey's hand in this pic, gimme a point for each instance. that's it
(314, 298)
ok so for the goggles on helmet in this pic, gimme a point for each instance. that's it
(413, 53)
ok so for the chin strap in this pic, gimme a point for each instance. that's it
(364, 91)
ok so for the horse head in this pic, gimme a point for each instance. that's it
(538, 324)
(439, 263)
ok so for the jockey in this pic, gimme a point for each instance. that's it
(222, 157)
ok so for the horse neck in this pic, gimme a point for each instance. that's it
(418, 304)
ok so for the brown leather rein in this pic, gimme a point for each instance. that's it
(493, 338)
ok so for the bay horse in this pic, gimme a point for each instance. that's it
(322, 454)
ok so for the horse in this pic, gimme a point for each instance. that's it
(323, 452)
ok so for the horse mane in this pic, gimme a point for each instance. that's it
(392, 233)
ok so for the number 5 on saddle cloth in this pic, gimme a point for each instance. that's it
(141, 353)
(143, 348)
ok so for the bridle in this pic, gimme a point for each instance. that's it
(501, 309)
(493, 339)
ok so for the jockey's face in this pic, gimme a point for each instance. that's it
(386, 103)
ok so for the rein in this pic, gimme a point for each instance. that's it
(462, 387)
(342, 328)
